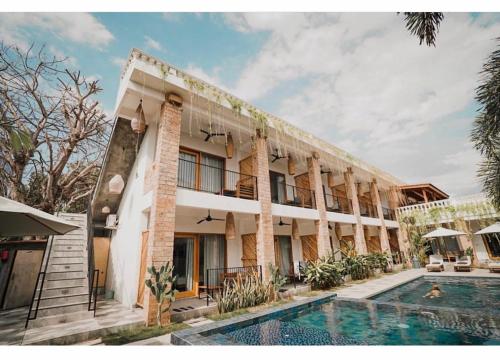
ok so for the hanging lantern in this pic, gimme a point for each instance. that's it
(330, 180)
(105, 210)
(295, 230)
(229, 146)
(116, 185)
(291, 165)
(138, 122)
(230, 227)
(4, 255)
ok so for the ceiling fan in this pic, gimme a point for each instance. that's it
(209, 218)
(210, 134)
(281, 223)
(276, 156)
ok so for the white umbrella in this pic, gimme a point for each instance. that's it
(442, 232)
(17, 219)
(495, 228)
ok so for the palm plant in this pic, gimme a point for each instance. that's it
(425, 25)
(486, 129)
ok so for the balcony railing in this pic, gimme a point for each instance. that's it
(389, 214)
(367, 209)
(338, 204)
(201, 177)
(294, 196)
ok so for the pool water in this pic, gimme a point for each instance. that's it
(364, 322)
(460, 293)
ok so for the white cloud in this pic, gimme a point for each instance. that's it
(81, 28)
(152, 43)
(118, 61)
(367, 84)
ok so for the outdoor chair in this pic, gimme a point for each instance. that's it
(436, 263)
(494, 266)
(463, 263)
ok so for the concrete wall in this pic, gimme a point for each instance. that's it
(125, 248)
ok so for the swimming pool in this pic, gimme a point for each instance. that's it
(457, 292)
(330, 321)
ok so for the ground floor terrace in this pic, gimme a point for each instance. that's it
(205, 250)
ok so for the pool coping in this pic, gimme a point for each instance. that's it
(195, 336)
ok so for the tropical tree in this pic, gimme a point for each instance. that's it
(53, 131)
(425, 25)
(486, 129)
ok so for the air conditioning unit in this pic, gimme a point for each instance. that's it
(111, 222)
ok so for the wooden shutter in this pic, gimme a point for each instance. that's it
(249, 245)
(142, 269)
(245, 186)
(309, 247)
(373, 244)
(303, 189)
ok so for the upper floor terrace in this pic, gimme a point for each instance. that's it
(216, 147)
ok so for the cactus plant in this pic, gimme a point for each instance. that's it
(161, 285)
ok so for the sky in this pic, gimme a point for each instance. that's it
(357, 80)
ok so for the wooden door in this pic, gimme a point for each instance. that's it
(249, 246)
(101, 253)
(303, 190)
(309, 247)
(142, 268)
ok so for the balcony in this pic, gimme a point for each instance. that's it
(367, 209)
(285, 194)
(215, 180)
(338, 204)
(389, 214)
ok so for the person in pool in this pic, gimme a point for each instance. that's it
(435, 292)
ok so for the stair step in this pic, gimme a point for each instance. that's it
(67, 260)
(60, 318)
(63, 300)
(68, 247)
(54, 268)
(51, 284)
(70, 242)
(64, 291)
(59, 254)
(67, 308)
(66, 275)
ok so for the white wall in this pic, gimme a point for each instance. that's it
(125, 248)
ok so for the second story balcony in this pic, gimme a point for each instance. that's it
(367, 209)
(286, 194)
(213, 178)
(338, 204)
(389, 214)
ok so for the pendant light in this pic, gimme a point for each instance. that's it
(138, 122)
(116, 185)
(230, 227)
(229, 146)
(291, 164)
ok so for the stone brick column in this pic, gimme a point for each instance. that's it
(264, 220)
(384, 237)
(403, 240)
(316, 184)
(359, 236)
(164, 184)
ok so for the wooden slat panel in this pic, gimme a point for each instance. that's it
(303, 189)
(101, 252)
(245, 186)
(142, 269)
(309, 247)
(249, 245)
(345, 241)
(373, 244)
(393, 241)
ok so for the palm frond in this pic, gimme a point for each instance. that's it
(425, 25)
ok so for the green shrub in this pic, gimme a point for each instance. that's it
(276, 282)
(324, 273)
(245, 291)
(357, 266)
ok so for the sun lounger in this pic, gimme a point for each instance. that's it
(463, 263)
(494, 266)
(436, 263)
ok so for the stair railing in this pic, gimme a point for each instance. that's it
(93, 273)
(41, 274)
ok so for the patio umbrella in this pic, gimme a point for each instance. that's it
(442, 232)
(17, 219)
(495, 228)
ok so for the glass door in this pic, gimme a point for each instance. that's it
(187, 173)
(283, 254)
(184, 265)
(278, 187)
